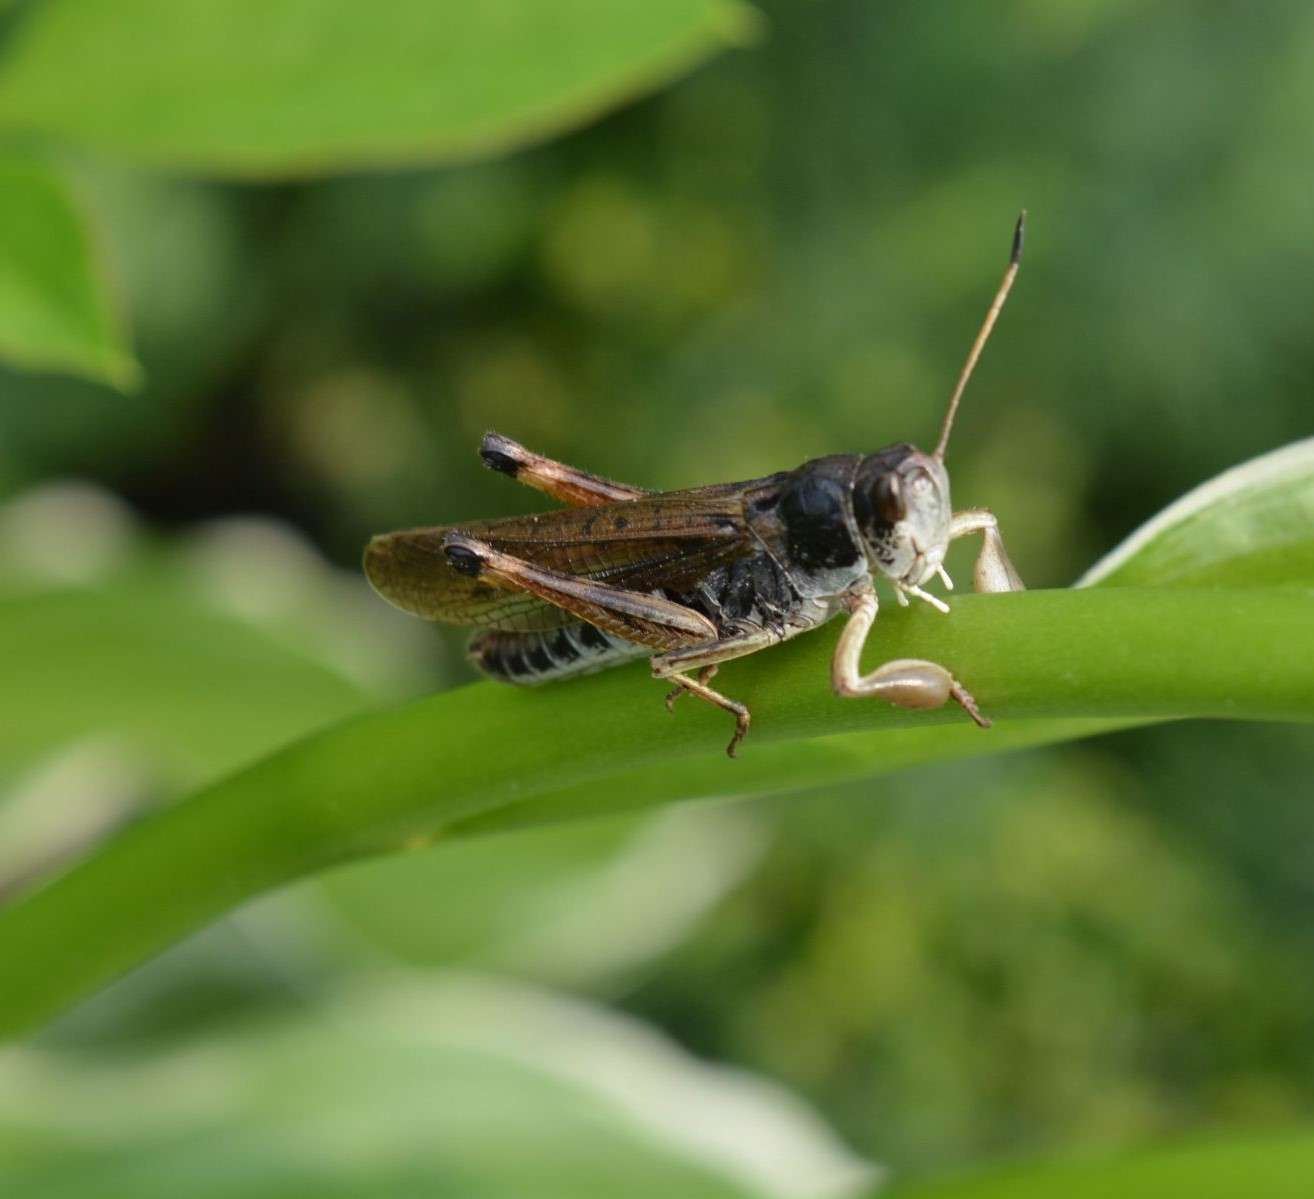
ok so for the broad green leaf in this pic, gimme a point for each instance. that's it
(397, 780)
(1277, 1166)
(1252, 526)
(451, 1088)
(104, 716)
(195, 690)
(56, 311)
(250, 88)
(193, 658)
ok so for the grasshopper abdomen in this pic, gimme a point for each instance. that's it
(528, 659)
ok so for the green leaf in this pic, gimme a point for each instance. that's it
(1278, 1166)
(540, 891)
(1252, 526)
(1047, 665)
(250, 88)
(56, 310)
(394, 781)
(195, 657)
(452, 1088)
(128, 660)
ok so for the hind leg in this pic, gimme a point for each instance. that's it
(572, 487)
(649, 620)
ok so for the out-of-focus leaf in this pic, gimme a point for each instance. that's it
(246, 87)
(1277, 1167)
(584, 901)
(195, 658)
(1251, 526)
(56, 312)
(195, 690)
(456, 1088)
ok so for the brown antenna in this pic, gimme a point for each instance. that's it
(979, 344)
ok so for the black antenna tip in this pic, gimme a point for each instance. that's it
(1016, 256)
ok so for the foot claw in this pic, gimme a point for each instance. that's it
(741, 728)
(964, 699)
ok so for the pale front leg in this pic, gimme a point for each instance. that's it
(994, 572)
(904, 682)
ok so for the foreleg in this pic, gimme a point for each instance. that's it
(994, 571)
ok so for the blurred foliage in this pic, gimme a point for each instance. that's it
(1250, 527)
(423, 1091)
(1279, 1165)
(243, 87)
(1001, 957)
(54, 306)
(783, 255)
(238, 87)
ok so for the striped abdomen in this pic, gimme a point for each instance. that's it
(544, 657)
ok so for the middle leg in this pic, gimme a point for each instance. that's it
(688, 638)
(705, 659)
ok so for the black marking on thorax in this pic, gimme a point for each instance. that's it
(753, 593)
(812, 510)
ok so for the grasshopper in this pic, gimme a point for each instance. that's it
(695, 578)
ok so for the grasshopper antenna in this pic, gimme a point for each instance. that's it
(979, 344)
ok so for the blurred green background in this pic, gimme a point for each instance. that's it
(783, 252)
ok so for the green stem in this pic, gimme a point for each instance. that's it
(1047, 664)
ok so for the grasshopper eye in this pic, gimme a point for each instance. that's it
(887, 496)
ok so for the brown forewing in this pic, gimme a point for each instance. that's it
(670, 540)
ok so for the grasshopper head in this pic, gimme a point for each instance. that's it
(901, 496)
(901, 505)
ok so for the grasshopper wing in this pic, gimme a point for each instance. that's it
(668, 541)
